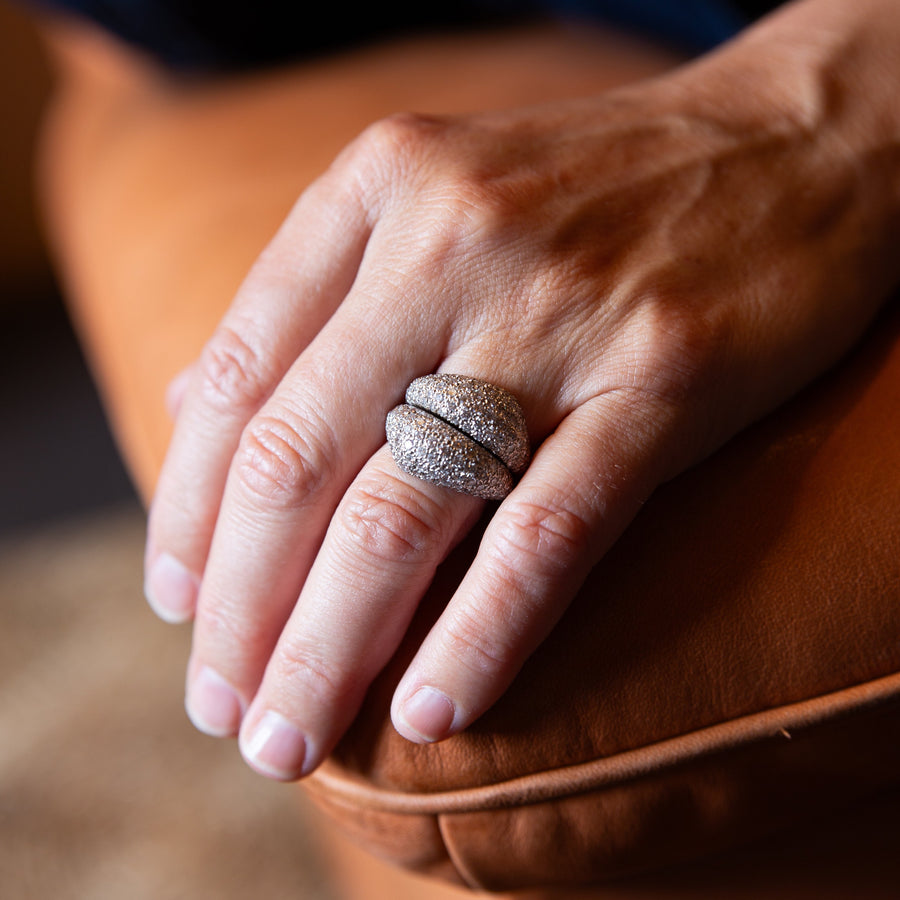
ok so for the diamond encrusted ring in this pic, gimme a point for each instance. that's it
(461, 433)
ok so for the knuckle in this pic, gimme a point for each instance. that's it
(389, 147)
(678, 350)
(218, 624)
(304, 668)
(539, 536)
(280, 463)
(489, 211)
(388, 521)
(462, 197)
(233, 374)
(399, 136)
(225, 628)
(459, 219)
(475, 644)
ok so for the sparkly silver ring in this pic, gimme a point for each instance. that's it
(461, 433)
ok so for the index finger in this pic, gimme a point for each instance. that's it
(292, 290)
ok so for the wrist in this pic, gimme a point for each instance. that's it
(824, 65)
(821, 75)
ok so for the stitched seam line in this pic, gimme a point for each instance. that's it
(618, 769)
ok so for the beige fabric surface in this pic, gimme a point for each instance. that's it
(106, 791)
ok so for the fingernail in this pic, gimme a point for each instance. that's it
(275, 747)
(429, 714)
(213, 705)
(171, 589)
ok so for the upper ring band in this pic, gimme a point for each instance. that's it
(461, 433)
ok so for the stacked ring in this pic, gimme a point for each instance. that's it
(460, 433)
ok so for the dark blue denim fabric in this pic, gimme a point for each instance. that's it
(214, 35)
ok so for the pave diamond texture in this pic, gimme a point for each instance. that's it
(461, 433)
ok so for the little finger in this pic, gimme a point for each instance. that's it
(583, 487)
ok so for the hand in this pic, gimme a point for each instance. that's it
(647, 271)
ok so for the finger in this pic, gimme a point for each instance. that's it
(292, 290)
(295, 460)
(175, 391)
(380, 553)
(582, 488)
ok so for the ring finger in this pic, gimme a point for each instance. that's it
(389, 534)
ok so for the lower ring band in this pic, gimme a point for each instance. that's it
(460, 433)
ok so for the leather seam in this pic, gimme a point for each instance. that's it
(462, 870)
(607, 772)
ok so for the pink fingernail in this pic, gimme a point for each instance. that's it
(213, 705)
(171, 589)
(429, 714)
(275, 747)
